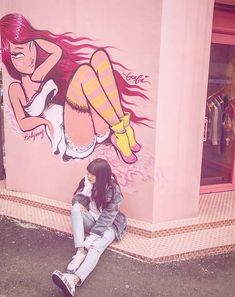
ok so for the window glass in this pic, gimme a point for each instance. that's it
(219, 131)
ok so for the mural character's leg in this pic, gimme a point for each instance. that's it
(135, 146)
(100, 102)
(102, 65)
(78, 124)
(102, 129)
(119, 140)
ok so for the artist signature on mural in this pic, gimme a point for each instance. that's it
(136, 78)
(33, 135)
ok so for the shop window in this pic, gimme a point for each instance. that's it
(219, 133)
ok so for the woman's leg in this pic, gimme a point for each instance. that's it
(80, 142)
(68, 281)
(102, 65)
(80, 222)
(97, 98)
(93, 255)
(94, 93)
(102, 129)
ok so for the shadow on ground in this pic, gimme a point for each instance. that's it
(29, 254)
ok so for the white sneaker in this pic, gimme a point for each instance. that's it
(78, 258)
(64, 281)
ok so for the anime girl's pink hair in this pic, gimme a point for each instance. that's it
(16, 29)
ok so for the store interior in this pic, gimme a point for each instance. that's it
(219, 132)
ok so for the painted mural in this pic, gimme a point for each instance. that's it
(71, 92)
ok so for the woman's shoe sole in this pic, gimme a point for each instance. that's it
(59, 283)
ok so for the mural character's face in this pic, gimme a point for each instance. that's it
(23, 57)
(91, 177)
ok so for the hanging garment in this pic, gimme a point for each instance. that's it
(219, 122)
(214, 133)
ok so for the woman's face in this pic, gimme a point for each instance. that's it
(91, 177)
(23, 57)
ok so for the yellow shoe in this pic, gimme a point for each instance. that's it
(120, 141)
(135, 147)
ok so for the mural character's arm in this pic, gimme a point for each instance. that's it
(55, 53)
(17, 98)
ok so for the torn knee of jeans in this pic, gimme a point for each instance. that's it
(94, 248)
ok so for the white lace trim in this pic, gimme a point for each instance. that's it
(79, 152)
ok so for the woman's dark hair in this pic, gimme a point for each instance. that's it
(104, 178)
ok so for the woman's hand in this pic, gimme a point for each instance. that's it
(82, 208)
(89, 240)
(87, 187)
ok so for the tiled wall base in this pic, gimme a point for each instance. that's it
(180, 246)
(212, 232)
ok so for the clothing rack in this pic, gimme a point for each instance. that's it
(216, 94)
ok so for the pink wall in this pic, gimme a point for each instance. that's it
(167, 40)
(133, 28)
(183, 73)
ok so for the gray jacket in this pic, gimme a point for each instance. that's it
(111, 215)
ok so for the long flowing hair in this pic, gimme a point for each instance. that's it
(16, 29)
(104, 178)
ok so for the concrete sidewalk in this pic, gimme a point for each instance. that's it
(29, 255)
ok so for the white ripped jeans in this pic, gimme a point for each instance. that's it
(82, 222)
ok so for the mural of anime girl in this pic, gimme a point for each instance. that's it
(79, 99)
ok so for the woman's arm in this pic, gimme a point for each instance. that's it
(79, 197)
(17, 98)
(54, 52)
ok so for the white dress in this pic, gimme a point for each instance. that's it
(61, 143)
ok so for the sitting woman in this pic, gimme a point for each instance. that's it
(96, 212)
